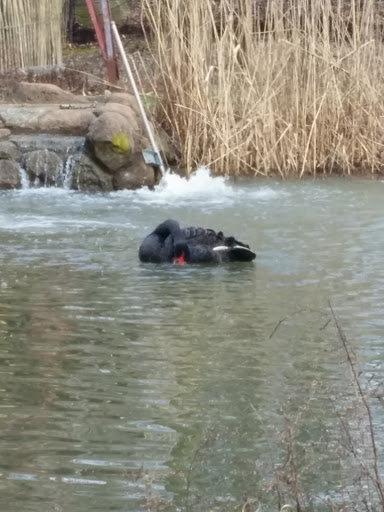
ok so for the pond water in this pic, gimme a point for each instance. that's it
(129, 387)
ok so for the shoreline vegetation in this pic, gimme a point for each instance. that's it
(257, 88)
(296, 95)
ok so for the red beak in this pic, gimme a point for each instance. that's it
(180, 260)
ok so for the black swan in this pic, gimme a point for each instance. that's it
(169, 243)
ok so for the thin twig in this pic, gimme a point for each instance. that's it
(277, 326)
(348, 350)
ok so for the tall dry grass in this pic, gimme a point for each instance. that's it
(301, 92)
(30, 33)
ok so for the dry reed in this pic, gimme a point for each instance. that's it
(299, 94)
(30, 33)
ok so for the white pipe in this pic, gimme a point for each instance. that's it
(137, 96)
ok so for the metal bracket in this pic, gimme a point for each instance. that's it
(152, 158)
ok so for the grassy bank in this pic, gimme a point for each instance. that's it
(299, 94)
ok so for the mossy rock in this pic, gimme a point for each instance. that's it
(111, 138)
(114, 154)
(121, 143)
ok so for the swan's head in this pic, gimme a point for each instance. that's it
(181, 253)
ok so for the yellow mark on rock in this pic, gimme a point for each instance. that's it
(121, 142)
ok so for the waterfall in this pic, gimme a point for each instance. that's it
(24, 178)
(68, 172)
(50, 170)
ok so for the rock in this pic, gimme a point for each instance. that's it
(88, 176)
(9, 175)
(65, 121)
(123, 98)
(46, 119)
(4, 133)
(21, 119)
(137, 175)
(112, 141)
(123, 110)
(113, 132)
(42, 166)
(27, 92)
(8, 151)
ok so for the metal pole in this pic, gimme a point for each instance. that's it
(111, 62)
(137, 96)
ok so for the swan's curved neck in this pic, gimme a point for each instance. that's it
(169, 227)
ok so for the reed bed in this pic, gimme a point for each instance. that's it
(294, 91)
(30, 33)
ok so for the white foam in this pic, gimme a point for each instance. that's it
(41, 192)
(202, 187)
(200, 183)
(21, 223)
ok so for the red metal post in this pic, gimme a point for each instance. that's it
(104, 37)
(96, 25)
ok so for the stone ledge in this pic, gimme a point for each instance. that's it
(46, 119)
(107, 157)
